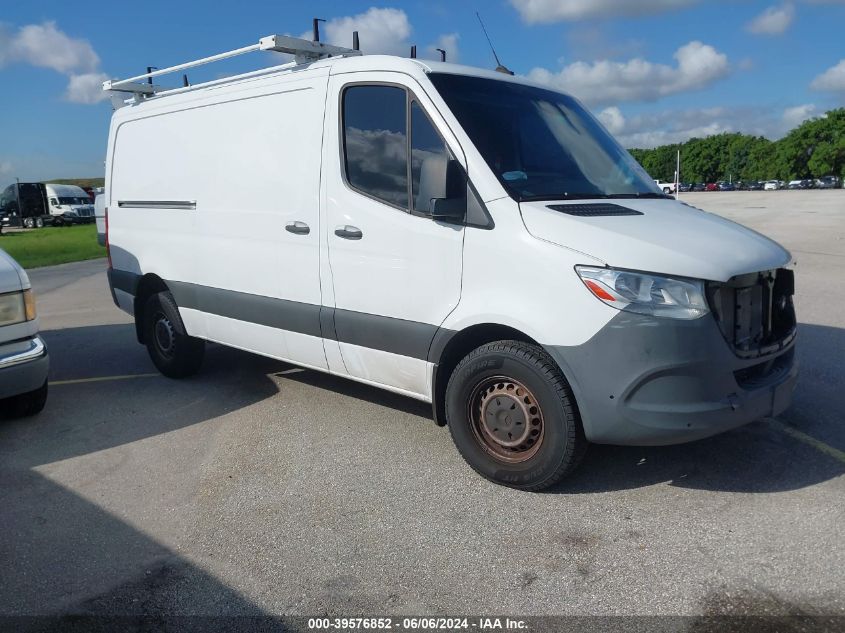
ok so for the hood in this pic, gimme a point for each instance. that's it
(664, 236)
(12, 277)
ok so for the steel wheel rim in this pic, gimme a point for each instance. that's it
(165, 335)
(506, 419)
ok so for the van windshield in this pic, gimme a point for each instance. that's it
(541, 144)
(85, 200)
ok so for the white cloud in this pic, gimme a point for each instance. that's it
(86, 88)
(449, 43)
(381, 31)
(773, 21)
(607, 82)
(546, 11)
(795, 116)
(613, 119)
(45, 46)
(676, 126)
(831, 80)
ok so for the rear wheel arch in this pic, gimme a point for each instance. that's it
(148, 285)
(448, 349)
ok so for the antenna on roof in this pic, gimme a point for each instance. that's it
(499, 67)
(316, 23)
(149, 70)
(356, 44)
(414, 51)
(442, 54)
(185, 82)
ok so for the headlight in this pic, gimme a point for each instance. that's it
(16, 307)
(646, 294)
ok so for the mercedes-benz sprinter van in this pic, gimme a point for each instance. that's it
(463, 237)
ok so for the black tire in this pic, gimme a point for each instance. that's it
(509, 382)
(28, 223)
(58, 221)
(26, 404)
(39, 223)
(173, 352)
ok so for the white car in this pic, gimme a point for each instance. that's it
(665, 187)
(460, 236)
(771, 185)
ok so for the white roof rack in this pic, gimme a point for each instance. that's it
(304, 51)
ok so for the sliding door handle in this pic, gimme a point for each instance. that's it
(348, 232)
(298, 228)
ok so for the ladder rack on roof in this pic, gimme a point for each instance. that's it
(304, 51)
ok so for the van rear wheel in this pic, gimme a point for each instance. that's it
(173, 352)
(513, 417)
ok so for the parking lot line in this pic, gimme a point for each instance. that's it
(77, 381)
(827, 449)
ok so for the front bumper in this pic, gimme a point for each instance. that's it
(654, 381)
(23, 366)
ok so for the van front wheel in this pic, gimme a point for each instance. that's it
(513, 417)
(173, 352)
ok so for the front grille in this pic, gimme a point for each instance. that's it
(85, 213)
(765, 372)
(755, 312)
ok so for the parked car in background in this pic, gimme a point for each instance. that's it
(771, 185)
(699, 186)
(23, 355)
(795, 184)
(665, 187)
(685, 187)
(712, 186)
(828, 182)
(754, 185)
(726, 186)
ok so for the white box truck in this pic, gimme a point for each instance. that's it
(463, 237)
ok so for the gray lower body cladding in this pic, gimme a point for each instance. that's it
(654, 381)
(639, 381)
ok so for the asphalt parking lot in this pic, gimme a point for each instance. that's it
(258, 488)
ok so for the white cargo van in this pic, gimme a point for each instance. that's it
(463, 237)
(68, 204)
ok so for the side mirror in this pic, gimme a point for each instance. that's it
(443, 189)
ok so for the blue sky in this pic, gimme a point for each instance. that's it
(655, 71)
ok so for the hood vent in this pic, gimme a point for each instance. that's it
(599, 210)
